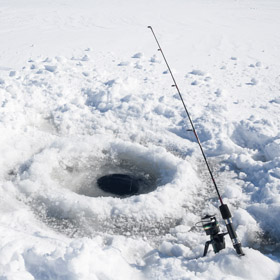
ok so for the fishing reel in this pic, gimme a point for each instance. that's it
(211, 228)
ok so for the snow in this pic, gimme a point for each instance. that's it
(84, 93)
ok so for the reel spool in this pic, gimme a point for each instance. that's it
(211, 228)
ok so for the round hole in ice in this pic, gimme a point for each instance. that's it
(117, 178)
(123, 184)
(145, 169)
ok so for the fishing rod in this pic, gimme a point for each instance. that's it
(209, 222)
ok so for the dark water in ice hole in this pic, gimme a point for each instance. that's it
(120, 179)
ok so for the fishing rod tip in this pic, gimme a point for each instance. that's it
(149, 26)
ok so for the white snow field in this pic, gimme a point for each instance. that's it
(84, 93)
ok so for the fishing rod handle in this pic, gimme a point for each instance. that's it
(231, 231)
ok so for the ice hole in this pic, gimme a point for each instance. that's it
(123, 184)
(116, 178)
(117, 172)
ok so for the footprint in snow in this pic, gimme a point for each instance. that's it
(257, 64)
(138, 65)
(50, 68)
(154, 59)
(85, 58)
(138, 55)
(253, 82)
(12, 73)
(197, 72)
(123, 63)
(276, 100)
(47, 60)
(218, 92)
(195, 83)
(86, 74)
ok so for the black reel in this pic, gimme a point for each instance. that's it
(211, 227)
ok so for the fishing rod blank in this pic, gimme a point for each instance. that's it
(225, 212)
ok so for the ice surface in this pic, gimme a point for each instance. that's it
(84, 93)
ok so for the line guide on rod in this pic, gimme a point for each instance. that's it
(223, 207)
